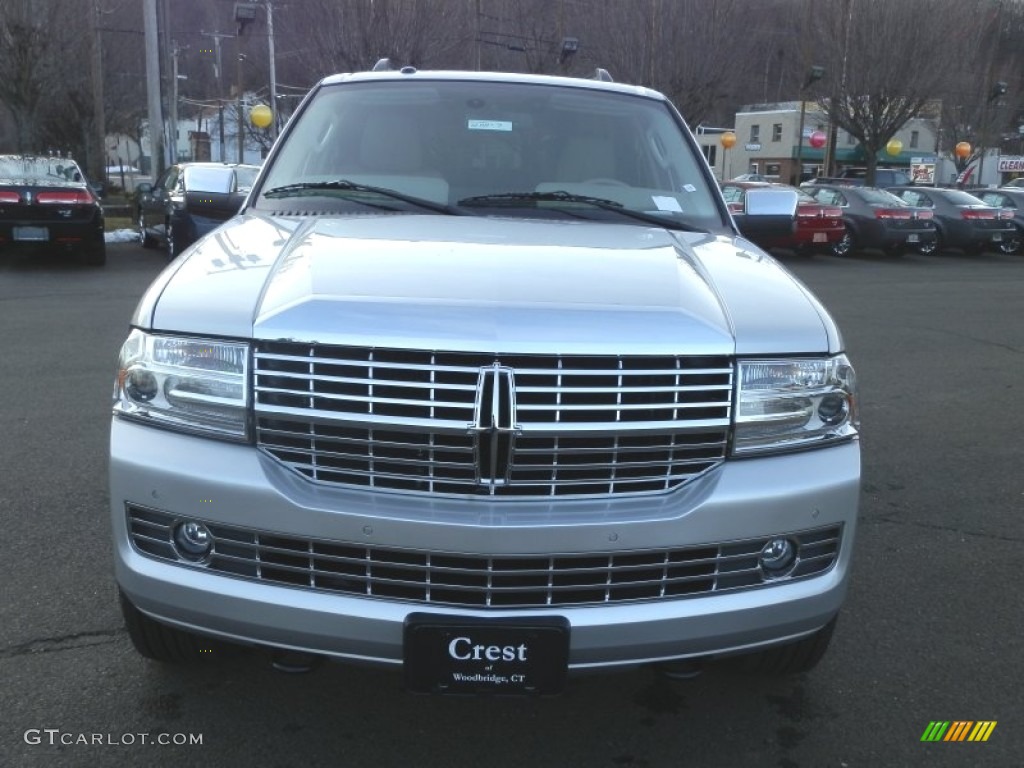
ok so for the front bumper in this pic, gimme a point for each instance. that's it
(236, 485)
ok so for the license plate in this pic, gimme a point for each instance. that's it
(913, 238)
(37, 234)
(498, 656)
(820, 237)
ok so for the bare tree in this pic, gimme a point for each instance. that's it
(32, 52)
(684, 48)
(351, 35)
(887, 61)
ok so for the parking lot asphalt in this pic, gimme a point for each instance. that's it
(931, 629)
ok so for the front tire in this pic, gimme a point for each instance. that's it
(157, 641)
(793, 658)
(173, 246)
(845, 245)
(929, 249)
(144, 238)
(1013, 244)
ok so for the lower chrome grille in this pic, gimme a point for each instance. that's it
(486, 424)
(459, 579)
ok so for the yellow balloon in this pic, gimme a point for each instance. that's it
(261, 116)
(894, 147)
(728, 139)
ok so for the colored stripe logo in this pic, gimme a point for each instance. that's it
(958, 730)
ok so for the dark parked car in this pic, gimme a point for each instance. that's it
(817, 227)
(877, 220)
(1011, 199)
(46, 201)
(962, 220)
(189, 200)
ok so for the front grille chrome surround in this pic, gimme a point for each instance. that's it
(479, 581)
(569, 425)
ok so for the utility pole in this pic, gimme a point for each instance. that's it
(97, 157)
(218, 73)
(240, 105)
(273, 72)
(156, 120)
(175, 50)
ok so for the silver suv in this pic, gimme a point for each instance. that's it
(483, 384)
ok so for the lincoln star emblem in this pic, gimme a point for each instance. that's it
(494, 425)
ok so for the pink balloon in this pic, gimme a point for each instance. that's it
(816, 140)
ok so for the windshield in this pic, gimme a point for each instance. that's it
(47, 169)
(246, 176)
(462, 142)
(957, 197)
(874, 196)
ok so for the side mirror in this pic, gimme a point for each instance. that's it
(769, 213)
(772, 202)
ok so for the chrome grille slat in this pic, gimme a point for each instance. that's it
(622, 449)
(612, 407)
(498, 581)
(361, 399)
(352, 380)
(406, 420)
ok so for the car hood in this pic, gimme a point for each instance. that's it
(486, 284)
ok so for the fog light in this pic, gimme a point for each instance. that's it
(193, 540)
(777, 557)
(140, 385)
(832, 409)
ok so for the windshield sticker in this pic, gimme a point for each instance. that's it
(489, 125)
(667, 203)
(689, 187)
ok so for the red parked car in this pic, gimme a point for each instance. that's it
(816, 229)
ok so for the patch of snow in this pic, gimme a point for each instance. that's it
(122, 236)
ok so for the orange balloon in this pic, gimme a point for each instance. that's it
(963, 149)
(728, 139)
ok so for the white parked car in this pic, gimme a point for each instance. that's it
(483, 384)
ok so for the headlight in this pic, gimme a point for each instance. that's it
(196, 385)
(784, 404)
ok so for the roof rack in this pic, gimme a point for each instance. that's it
(603, 75)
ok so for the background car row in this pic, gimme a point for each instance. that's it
(926, 220)
(962, 221)
(878, 220)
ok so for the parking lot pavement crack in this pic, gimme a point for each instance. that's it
(937, 527)
(62, 643)
(967, 337)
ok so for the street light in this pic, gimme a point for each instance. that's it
(813, 75)
(570, 45)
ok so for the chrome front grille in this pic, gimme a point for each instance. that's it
(435, 422)
(457, 579)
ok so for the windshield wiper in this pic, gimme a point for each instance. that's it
(560, 196)
(344, 185)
